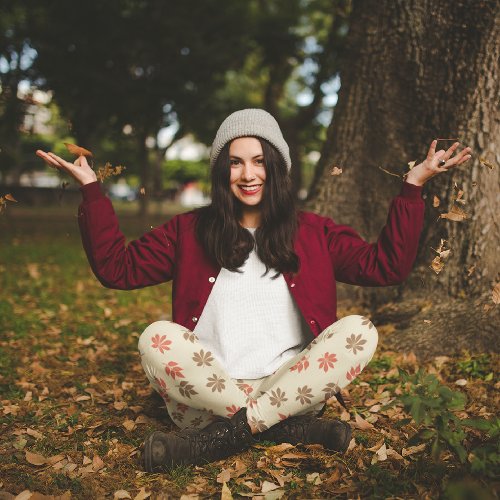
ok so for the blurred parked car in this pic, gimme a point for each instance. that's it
(122, 191)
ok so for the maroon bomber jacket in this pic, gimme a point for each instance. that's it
(328, 252)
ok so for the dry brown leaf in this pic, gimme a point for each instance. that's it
(119, 405)
(461, 382)
(77, 150)
(97, 463)
(413, 449)
(129, 424)
(142, 191)
(268, 486)
(336, 171)
(435, 201)
(279, 448)
(456, 214)
(121, 494)
(486, 163)
(142, 494)
(226, 493)
(495, 293)
(35, 458)
(108, 170)
(313, 478)
(471, 270)
(361, 423)
(224, 476)
(411, 164)
(10, 198)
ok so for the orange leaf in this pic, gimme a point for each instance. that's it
(10, 197)
(77, 150)
(35, 458)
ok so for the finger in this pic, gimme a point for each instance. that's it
(61, 161)
(83, 161)
(432, 149)
(47, 159)
(457, 159)
(451, 150)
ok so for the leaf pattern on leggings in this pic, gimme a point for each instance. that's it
(216, 383)
(246, 388)
(330, 390)
(355, 342)
(302, 364)
(161, 387)
(186, 389)
(304, 395)
(174, 370)
(367, 322)
(327, 361)
(202, 358)
(161, 343)
(231, 410)
(277, 397)
(258, 424)
(189, 336)
(353, 373)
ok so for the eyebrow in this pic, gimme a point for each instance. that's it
(234, 157)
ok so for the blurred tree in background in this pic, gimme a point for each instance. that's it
(119, 72)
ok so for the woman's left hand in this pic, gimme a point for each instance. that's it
(433, 164)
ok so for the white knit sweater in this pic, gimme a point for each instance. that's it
(250, 322)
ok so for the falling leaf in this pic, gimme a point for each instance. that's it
(336, 171)
(411, 164)
(35, 458)
(226, 493)
(456, 214)
(437, 263)
(77, 150)
(142, 191)
(495, 293)
(108, 170)
(10, 198)
(486, 163)
(436, 201)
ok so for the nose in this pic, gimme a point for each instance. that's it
(248, 173)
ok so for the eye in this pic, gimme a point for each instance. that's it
(234, 162)
(260, 161)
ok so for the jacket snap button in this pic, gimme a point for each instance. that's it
(195, 319)
(312, 322)
(211, 279)
(292, 285)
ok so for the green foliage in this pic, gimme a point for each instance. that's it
(476, 367)
(433, 405)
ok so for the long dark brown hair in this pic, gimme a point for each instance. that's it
(226, 242)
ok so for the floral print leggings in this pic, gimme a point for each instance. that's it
(196, 388)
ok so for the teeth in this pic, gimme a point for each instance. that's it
(249, 188)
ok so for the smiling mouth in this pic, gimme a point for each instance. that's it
(251, 189)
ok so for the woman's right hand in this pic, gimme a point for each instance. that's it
(79, 170)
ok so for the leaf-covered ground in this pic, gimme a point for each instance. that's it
(75, 405)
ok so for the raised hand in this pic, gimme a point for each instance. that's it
(79, 170)
(437, 163)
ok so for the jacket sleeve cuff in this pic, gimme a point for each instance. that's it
(410, 191)
(91, 191)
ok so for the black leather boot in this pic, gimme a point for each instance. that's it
(219, 439)
(332, 434)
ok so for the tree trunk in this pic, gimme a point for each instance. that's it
(416, 70)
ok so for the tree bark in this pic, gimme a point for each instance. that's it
(416, 70)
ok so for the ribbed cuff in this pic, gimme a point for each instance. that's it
(91, 191)
(410, 191)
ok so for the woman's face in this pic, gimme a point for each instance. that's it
(248, 171)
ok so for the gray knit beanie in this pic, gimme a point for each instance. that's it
(250, 122)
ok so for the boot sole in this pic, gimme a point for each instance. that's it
(148, 453)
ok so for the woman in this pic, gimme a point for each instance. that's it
(255, 348)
